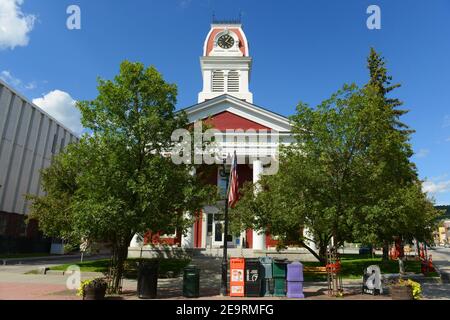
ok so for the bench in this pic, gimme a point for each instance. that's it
(315, 270)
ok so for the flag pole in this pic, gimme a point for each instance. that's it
(223, 284)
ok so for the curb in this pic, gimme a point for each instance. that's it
(19, 261)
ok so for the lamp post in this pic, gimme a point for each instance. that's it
(223, 285)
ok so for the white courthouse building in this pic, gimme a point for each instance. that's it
(226, 103)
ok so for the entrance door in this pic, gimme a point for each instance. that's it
(217, 234)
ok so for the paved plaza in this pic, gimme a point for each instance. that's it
(16, 284)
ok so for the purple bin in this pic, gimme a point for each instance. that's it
(294, 271)
(295, 289)
(295, 280)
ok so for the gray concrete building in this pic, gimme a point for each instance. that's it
(29, 139)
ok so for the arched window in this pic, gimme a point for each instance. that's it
(218, 84)
(233, 81)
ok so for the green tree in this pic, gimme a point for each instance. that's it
(347, 176)
(119, 181)
(324, 175)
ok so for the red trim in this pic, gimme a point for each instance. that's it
(210, 43)
(198, 231)
(270, 242)
(249, 238)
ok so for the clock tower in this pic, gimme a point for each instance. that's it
(226, 63)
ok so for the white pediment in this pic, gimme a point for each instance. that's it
(240, 108)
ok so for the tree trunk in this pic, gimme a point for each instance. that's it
(385, 250)
(317, 256)
(323, 252)
(120, 254)
(401, 265)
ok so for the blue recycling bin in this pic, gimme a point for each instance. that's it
(267, 283)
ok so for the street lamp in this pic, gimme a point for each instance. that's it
(223, 285)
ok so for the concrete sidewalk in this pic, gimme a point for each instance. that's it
(14, 284)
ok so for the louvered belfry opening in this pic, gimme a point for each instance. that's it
(233, 81)
(218, 81)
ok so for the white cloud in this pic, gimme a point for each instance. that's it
(436, 187)
(446, 121)
(61, 106)
(184, 3)
(8, 77)
(422, 153)
(14, 24)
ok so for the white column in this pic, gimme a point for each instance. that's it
(259, 237)
(187, 241)
(137, 241)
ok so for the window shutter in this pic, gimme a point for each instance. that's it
(218, 81)
(233, 81)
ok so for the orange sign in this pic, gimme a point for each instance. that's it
(237, 267)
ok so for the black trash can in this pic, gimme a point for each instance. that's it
(191, 282)
(254, 274)
(147, 284)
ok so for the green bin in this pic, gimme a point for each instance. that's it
(191, 282)
(279, 277)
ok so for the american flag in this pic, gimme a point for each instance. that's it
(233, 193)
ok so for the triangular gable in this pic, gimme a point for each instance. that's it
(241, 112)
(227, 120)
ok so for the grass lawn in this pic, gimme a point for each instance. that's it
(353, 266)
(24, 255)
(166, 266)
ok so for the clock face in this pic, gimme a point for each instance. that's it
(226, 41)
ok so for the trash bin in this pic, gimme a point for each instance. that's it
(279, 277)
(295, 280)
(267, 281)
(147, 284)
(253, 278)
(191, 282)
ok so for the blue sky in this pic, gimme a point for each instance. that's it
(302, 50)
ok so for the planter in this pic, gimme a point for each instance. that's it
(97, 292)
(401, 293)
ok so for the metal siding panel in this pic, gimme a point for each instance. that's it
(32, 176)
(21, 186)
(40, 149)
(23, 183)
(5, 100)
(47, 153)
(34, 133)
(13, 120)
(14, 160)
(49, 142)
(22, 131)
(4, 165)
(11, 179)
